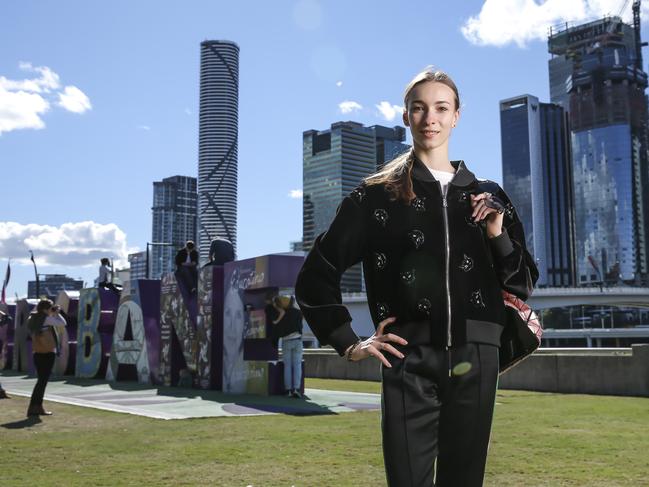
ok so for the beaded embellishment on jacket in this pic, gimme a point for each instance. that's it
(416, 237)
(408, 277)
(380, 261)
(419, 204)
(476, 299)
(381, 216)
(463, 196)
(467, 263)
(424, 306)
(382, 311)
(358, 194)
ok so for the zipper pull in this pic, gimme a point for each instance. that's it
(444, 202)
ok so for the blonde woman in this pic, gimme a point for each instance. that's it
(437, 246)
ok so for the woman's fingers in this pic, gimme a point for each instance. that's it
(391, 337)
(383, 324)
(389, 348)
(371, 349)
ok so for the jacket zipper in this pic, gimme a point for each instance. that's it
(448, 259)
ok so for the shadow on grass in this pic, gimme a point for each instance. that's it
(23, 423)
(232, 403)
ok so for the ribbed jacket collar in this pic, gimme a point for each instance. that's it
(463, 177)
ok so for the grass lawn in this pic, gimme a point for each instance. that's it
(538, 439)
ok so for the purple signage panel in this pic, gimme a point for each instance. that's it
(210, 328)
(95, 325)
(7, 336)
(249, 358)
(178, 334)
(69, 303)
(134, 353)
(22, 359)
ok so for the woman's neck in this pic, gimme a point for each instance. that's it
(435, 159)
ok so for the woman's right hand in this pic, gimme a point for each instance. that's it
(378, 342)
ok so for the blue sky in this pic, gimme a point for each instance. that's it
(100, 99)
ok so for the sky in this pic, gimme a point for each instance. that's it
(100, 99)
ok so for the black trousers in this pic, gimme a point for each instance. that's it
(187, 277)
(44, 362)
(436, 428)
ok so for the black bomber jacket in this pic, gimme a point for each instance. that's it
(426, 263)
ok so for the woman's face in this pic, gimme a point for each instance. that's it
(431, 115)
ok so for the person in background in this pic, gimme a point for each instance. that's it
(104, 280)
(221, 251)
(288, 326)
(187, 266)
(41, 324)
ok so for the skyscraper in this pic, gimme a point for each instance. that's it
(137, 265)
(334, 162)
(596, 73)
(217, 144)
(537, 176)
(174, 221)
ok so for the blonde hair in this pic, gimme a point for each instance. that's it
(395, 175)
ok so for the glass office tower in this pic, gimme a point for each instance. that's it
(596, 73)
(537, 178)
(335, 161)
(174, 221)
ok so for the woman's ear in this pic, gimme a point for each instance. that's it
(405, 118)
(456, 117)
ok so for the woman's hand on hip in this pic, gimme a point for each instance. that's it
(377, 343)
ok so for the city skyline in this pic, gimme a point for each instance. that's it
(107, 125)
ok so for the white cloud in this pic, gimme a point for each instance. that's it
(188, 111)
(21, 110)
(389, 111)
(502, 22)
(71, 244)
(295, 194)
(24, 101)
(339, 84)
(143, 127)
(349, 106)
(74, 100)
(45, 83)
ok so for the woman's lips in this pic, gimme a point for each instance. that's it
(429, 134)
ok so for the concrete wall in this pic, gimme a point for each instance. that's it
(623, 372)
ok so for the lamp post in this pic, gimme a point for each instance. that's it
(157, 244)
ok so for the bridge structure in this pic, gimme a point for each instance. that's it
(546, 298)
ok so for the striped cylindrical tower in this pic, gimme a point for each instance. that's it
(217, 144)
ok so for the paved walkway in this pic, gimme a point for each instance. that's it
(177, 403)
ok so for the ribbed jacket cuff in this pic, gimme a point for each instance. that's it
(501, 245)
(342, 337)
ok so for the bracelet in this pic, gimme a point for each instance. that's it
(351, 350)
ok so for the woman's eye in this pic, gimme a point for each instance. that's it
(443, 109)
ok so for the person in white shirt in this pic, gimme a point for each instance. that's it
(104, 280)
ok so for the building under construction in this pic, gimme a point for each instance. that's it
(596, 74)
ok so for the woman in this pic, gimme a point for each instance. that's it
(437, 247)
(41, 324)
(288, 326)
